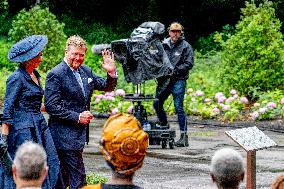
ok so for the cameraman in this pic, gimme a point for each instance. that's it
(181, 56)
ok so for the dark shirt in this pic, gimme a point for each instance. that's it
(112, 186)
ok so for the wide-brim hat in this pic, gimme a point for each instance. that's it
(124, 143)
(27, 48)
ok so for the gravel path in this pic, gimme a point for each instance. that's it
(183, 168)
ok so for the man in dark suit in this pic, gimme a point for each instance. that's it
(68, 91)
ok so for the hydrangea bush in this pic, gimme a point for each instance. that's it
(228, 107)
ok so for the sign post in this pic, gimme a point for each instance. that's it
(251, 139)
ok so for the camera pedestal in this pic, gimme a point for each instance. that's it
(157, 136)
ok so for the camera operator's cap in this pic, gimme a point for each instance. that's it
(175, 26)
(27, 48)
(124, 143)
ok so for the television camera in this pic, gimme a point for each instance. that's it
(143, 58)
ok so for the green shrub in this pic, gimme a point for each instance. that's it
(3, 5)
(212, 42)
(204, 74)
(41, 21)
(5, 19)
(4, 75)
(93, 33)
(254, 56)
(4, 62)
(270, 105)
(94, 178)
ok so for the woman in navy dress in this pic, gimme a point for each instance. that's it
(22, 118)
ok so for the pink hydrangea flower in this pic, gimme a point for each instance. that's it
(206, 100)
(255, 115)
(230, 99)
(235, 96)
(109, 93)
(218, 95)
(199, 93)
(256, 105)
(216, 110)
(282, 101)
(99, 96)
(120, 92)
(262, 110)
(114, 111)
(233, 92)
(244, 100)
(226, 107)
(130, 109)
(221, 99)
(271, 105)
(111, 98)
(97, 100)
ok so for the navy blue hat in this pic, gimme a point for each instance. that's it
(27, 48)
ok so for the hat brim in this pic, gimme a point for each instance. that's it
(32, 53)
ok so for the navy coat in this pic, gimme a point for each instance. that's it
(64, 101)
(22, 110)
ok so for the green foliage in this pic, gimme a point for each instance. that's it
(94, 178)
(5, 19)
(212, 42)
(219, 106)
(92, 32)
(41, 21)
(4, 75)
(4, 5)
(4, 62)
(270, 105)
(204, 75)
(254, 56)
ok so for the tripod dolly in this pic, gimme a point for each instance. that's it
(157, 136)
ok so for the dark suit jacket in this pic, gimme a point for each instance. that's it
(64, 101)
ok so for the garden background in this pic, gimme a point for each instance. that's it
(239, 49)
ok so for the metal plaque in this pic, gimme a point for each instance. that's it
(251, 138)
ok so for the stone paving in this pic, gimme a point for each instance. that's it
(189, 167)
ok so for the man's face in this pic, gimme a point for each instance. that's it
(174, 35)
(75, 56)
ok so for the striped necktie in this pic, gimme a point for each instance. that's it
(78, 77)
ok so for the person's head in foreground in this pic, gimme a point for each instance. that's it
(227, 169)
(30, 165)
(278, 182)
(124, 145)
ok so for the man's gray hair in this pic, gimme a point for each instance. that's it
(227, 166)
(30, 161)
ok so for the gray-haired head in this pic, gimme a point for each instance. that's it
(227, 168)
(30, 161)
